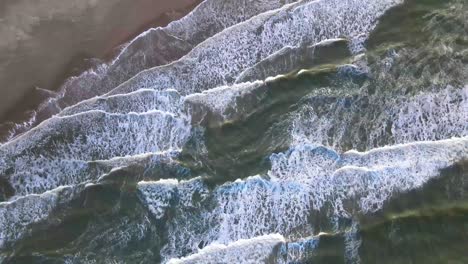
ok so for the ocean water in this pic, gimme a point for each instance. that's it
(42, 43)
(311, 131)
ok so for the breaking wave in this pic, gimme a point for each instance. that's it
(248, 131)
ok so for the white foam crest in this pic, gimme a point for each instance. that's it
(256, 250)
(369, 177)
(168, 189)
(308, 178)
(47, 173)
(140, 101)
(56, 153)
(189, 226)
(432, 116)
(140, 158)
(195, 227)
(289, 59)
(304, 180)
(222, 99)
(212, 16)
(254, 72)
(297, 251)
(257, 206)
(156, 46)
(239, 210)
(21, 212)
(310, 128)
(158, 195)
(17, 216)
(100, 135)
(426, 116)
(116, 135)
(219, 59)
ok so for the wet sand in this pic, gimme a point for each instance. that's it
(42, 43)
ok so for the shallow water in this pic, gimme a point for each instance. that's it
(42, 43)
(330, 131)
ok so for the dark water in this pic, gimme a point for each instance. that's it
(255, 132)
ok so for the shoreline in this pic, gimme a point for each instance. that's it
(57, 48)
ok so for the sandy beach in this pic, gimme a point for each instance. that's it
(42, 43)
